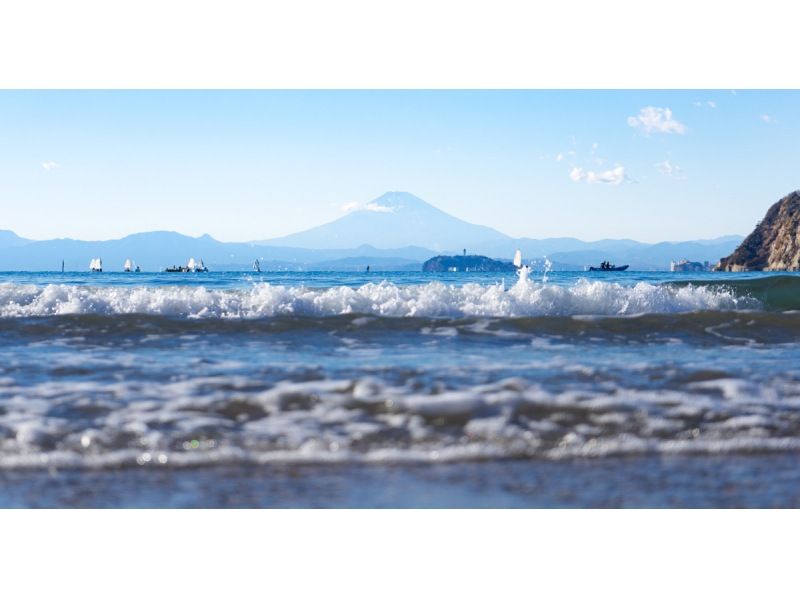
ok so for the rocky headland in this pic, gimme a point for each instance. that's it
(775, 242)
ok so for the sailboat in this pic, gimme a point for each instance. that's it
(96, 265)
(256, 265)
(128, 267)
(191, 266)
(522, 271)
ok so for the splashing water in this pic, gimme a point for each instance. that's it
(548, 267)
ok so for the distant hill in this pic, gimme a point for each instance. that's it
(10, 239)
(154, 251)
(466, 263)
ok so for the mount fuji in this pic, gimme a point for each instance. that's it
(395, 219)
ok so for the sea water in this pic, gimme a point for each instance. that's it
(396, 389)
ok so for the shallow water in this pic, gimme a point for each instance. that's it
(198, 376)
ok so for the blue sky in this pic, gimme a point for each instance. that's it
(246, 165)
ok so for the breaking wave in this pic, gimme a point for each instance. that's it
(433, 300)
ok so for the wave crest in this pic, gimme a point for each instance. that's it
(432, 300)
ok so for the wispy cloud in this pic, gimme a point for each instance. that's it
(656, 120)
(615, 176)
(373, 207)
(350, 206)
(667, 168)
(770, 120)
(559, 157)
(577, 174)
(711, 104)
(354, 206)
(50, 165)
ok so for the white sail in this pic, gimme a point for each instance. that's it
(192, 265)
(128, 265)
(99, 263)
(518, 259)
(201, 266)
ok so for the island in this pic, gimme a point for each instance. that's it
(774, 244)
(466, 263)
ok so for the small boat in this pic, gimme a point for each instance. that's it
(96, 265)
(256, 265)
(191, 266)
(128, 267)
(608, 268)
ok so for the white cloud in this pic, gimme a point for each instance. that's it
(615, 176)
(50, 165)
(577, 174)
(373, 207)
(669, 169)
(711, 104)
(559, 157)
(770, 120)
(656, 120)
(350, 206)
(354, 206)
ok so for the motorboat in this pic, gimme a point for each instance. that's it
(607, 267)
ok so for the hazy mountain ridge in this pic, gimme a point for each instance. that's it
(360, 238)
(156, 250)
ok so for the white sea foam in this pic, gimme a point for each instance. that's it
(526, 298)
(210, 420)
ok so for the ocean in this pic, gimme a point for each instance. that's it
(399, 389)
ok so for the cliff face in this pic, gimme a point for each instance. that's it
(775, 242)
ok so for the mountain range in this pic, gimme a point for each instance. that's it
(396, 231)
